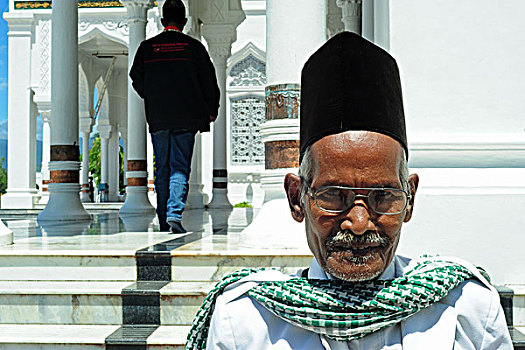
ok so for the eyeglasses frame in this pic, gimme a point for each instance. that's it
(311, 193)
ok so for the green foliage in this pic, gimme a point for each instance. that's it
(122, 190)
(94, 160)
(3, 176)
(243, 205)
(94, 164)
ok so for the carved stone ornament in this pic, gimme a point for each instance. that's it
(248, 72)
(282, 101)
(351, 8)
(247, 115)
(110, 22)
(137, 9)
(45, 56)
(47, 4)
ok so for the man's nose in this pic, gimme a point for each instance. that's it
(357, 219)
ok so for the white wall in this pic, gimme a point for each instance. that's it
(461, 64)
(463, 76)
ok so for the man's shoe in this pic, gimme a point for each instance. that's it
(176, 227)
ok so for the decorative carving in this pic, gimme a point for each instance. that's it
(248, 72)
(351, 11)
(282, 101)
(282, 154)
(137, 10)
(45, 56)
(219, 11)
(219, 38)
(247, 115)
(43, 4)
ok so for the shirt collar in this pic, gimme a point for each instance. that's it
(171, 29)
(316, 272)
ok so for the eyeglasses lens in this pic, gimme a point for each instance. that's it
(382, 201)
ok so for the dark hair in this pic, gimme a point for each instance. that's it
(173, 11)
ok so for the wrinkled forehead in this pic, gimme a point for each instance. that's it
(358, 150)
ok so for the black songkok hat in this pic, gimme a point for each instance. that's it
(350, 84)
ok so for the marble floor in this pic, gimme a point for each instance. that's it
(208, 230)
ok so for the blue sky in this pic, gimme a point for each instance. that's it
(4, 5)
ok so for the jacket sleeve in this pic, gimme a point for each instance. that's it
(136, 72)
(208, 82)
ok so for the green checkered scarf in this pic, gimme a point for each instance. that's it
(341, 310)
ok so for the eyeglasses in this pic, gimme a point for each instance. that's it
(336, 199)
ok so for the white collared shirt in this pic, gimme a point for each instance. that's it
(469, 317)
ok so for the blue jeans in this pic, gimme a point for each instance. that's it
(173, 150)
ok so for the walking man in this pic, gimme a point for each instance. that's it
(174, 75)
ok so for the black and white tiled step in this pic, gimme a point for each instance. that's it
(88, 337)
(100, 303)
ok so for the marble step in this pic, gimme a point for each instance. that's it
(122, 265)
(100, 303)
(87, 337)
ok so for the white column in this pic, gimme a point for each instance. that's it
(351, 14)
(113, 166)
(220, 38)
(124, 135)
(151, 170)
(21, 190)
(46, 120)
(195, 198)
(104, 131)
(137, 201)
(86, 124)
(289, 43)
(64, 200)
(368, 20)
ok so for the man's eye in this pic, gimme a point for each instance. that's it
(329, 193)
(382, 195)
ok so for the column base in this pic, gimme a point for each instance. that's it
(44, 198)
(6, 235)
(23, 198)
(220, 199)
(64, 204)
(272, 182)
(137, 201)
(84, 197)
(138, 222)
(195, 197)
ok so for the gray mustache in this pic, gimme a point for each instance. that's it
(347, 238)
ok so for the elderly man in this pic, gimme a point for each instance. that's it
(354, 193)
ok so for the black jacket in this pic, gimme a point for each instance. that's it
(174, 75)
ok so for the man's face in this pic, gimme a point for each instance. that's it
(357, 244)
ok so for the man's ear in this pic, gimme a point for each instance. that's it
(293, 186)
(413, 182)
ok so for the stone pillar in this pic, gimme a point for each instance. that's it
(137, 201)
(46, 120)
(195, 198)
(351, 14)
(104, 131)
(289, 43)
(220, 38)
(21, 190)
(334, 16)
(113, 166)
(151, 170)
(64, 200)
(124, 133)
(86, 124)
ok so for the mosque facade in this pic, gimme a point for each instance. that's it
(461, 66)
